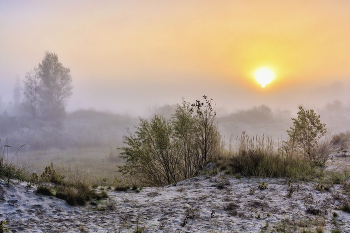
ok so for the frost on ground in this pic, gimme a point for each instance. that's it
(200, 204)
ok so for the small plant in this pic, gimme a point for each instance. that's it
(139, 229)
(110, 204)
(266, 226)
(191, 213)
(346, 207)
(290, 191)
(34, 178)
(262, 185)
(320, 187)
(50, 175)
(335, 214)
(336, 231)
(122, 188)
(251, 191)
(313, 210)
(93, 203)
(82, 229)
(3, 228)
(319, 230)
(104, 194)
(222, 183)
(44, 190)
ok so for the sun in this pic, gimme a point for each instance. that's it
(264, 76)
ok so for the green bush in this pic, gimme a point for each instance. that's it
(165, 151)
(305, 135)
(50, 175)
(44, 190)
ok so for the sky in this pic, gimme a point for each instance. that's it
(130, 56)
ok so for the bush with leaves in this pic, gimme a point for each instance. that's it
(165, 151)
(304, 136)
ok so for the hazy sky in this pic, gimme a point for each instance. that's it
(129, 56)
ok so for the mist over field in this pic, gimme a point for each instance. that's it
(125, 60)
(85, 128)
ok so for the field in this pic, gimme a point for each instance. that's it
(94, 164)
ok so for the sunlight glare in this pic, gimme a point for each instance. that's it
(264, 76)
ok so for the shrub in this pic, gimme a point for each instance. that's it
(165, 151)
(44, 190)
(50, 175)
(304, 136)
(121, 188)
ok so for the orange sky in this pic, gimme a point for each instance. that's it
(129, 55)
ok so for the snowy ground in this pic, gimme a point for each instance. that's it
(194, 205)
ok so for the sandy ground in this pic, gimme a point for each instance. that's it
(200, 204)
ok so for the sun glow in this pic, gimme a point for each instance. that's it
(264, 76)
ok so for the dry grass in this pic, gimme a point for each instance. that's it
(341, 140)
(258, 157)
(8, 168)
(89, 165)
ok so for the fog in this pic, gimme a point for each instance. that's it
(132, 59)
(89, 128)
